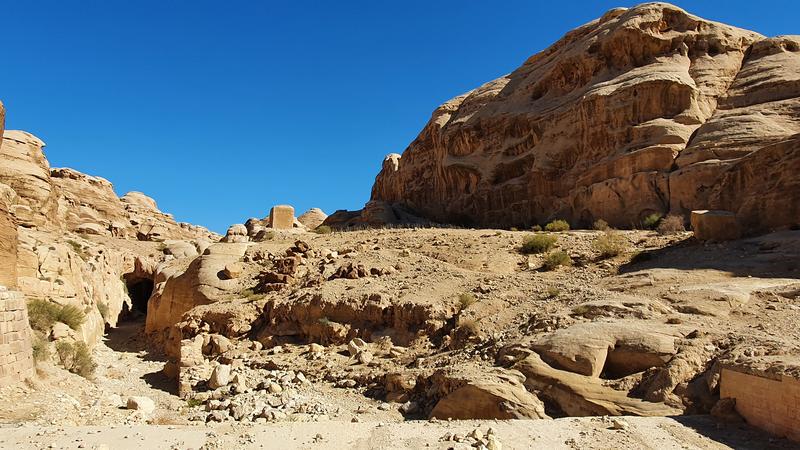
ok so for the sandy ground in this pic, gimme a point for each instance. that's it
(569, 433)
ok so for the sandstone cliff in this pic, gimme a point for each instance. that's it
(67, 238)
(647, 109)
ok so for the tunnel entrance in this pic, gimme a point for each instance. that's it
(139, 291)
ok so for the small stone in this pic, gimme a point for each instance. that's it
(384, 406)
(493, 443)
(617, 424)
(220, 376)
(316, 348)
(274, 388)
(365, 357)
(144, 404)
(355, 346)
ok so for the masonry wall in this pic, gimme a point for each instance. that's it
(766, 401)
(16, 354)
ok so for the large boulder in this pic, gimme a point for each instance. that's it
(182, 285)
(715, 225)
(644, 110)
(580, 395)
(467, 393)
(312, 218)
(616, 349)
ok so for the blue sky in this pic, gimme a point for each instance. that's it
(219, 110)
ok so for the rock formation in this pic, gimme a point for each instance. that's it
(647, 109)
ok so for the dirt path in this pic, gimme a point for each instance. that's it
(568, 433)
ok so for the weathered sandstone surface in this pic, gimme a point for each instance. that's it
(645, 110)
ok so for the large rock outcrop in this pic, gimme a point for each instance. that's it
(647, 109)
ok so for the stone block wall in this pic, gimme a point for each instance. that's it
(16, 353)
(767, 401)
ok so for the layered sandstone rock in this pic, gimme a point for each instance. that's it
(8, 228)
(24, 168)
(648, 109)
(312, 218)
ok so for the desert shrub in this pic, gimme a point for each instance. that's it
(538, 243)
(513, 229)
(71, 315)
(552, 292)
(557, 225)
(39, 344)
(103, 309)
(268, 236)
(470, 326)
(323, 229)
(600, 225)
(610, 243)
(671, 224)
(78, 248)
(555, 259)
(76, 358)
(466, 299)
(536, 228)
(193, 402)
(42, 314)
(651, 221)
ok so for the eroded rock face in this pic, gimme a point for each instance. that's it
(630, 114)
(312, 218)
(24, 168)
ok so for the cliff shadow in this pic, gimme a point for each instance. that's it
(774, 255)
(734, 435)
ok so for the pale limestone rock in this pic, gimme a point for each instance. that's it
(143, 404)
(220, 376)
(312, 218)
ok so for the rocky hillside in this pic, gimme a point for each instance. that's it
(647, 109)
(67, 239)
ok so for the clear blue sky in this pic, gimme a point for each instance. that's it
(219, 110)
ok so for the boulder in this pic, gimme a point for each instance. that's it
(617, 349)
(221, 376)
(580, 395)
(143, 404)
(90, 228)
(497, 394)
(715, 225)
(236, 234)
(281, 217)
(312, 218)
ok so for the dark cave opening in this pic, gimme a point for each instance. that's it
(139, 291)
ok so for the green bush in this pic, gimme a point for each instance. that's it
(671, 224)
(555, 259)
(40, 350)
(42, 314)
(651, 221)
(466, 299)
(76, 358)
(610, 243)
(601, 225)
(536, 228)
(557, 225)
(538, 243)
(323, 229)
